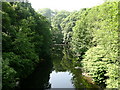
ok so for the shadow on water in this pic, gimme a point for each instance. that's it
(39, 78)
(59, 72)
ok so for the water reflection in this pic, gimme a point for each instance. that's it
(57, 56)
(39, 78)
(59, 73)
(63, 61)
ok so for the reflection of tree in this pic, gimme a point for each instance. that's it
(64, 61)
(78, 79)
(57, 57)
(67, 60)
(39, 78)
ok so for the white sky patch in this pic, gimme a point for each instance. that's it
(69, 5)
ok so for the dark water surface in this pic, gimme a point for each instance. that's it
(59, 72)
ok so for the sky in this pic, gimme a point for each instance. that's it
(68, 5)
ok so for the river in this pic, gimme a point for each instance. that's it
(59, 72)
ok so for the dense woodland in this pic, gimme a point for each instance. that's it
(91, 34)
(26, 41)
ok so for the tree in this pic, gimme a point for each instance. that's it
(46, 12)
(25, 41)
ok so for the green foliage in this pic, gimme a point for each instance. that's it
(95, 36)
(113, 74)
(57, 36)
(25, 41)
(92, 34)
(8, 75)
(19, 64)
(46, 12)
(67, 25)
(56, 21)
(95, 65)
(81, 39)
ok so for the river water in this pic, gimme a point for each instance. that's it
(58, 72)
